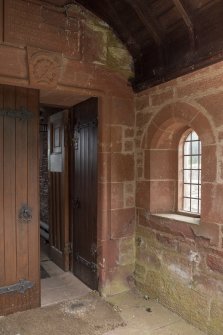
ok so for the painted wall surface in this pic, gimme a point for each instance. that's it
(72, 52)
(177, 262)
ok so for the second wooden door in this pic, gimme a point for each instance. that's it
(84, 191)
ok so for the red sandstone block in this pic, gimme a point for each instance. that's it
(163, 164)
(169, 122)
(116, 138)
(129, 201)
(122, 167)
(176, 228)
(195, 75)
(142, 118)
(161, 98)
(104, 195)
(139, 172)
(184, 112)
(214, 105)
(104, 164)
(129, 188)
(104, 138)
(211, 205)
(209, 163)
(108, 254)
(216, 67)
(185, 247)
(122, 112)
(220, 135)
(162, 196)
(203, 128)
(142, 102)
(139, 133)
(16, 62)
(164, 115)
(93, 46)
(167, 241)
(169, 84)
(215, 263)
(137, 144)
(122, 222)
(200, 85)
(103, 233)
(147, 164)
(143, 194)
(129, 132)
(207, 231)
(128, 146)
(117, 195)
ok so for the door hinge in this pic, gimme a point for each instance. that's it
(68, 248)
(20, 287)
(22, 113)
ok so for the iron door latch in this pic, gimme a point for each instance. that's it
(22, 113)
(25, 214)
(21, 287)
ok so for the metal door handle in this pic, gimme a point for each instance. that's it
(25, 214)
(77, 204)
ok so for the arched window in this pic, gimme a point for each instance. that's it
(190, 179)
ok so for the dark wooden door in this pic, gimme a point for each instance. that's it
(58, 189)
(19, 198)
(84, 191)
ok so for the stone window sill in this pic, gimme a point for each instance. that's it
(178, 217)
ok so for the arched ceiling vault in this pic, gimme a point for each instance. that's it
(166, 38)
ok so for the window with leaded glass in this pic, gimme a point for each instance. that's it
(191, 170)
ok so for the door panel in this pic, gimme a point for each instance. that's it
(84, 191)
(19, 179)
(58, 190)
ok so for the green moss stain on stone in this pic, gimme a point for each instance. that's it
(164, 274)
(102, 47)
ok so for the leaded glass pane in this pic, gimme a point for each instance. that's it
(187, 148)
(192, 174)
(187, 190)
(187, 162)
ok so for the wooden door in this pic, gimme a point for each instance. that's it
(84, 191)
(58, 190)
(19, 199)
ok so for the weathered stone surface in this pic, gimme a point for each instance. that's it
(44, 67)
(216, 318)
(127, 251)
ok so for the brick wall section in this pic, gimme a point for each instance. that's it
(177, 262)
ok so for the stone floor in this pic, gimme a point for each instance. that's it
(60, 285)
(144, 317)
(147, 317)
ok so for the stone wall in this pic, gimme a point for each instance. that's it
(67, 52)
(72, 31)
(177, 262)
(121, 200)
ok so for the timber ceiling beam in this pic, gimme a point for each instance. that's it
(142, 11)
(186, 17)
(130, 41)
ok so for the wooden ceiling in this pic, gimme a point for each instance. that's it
(166, 38)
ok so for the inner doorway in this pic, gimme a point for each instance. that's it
(69, 235)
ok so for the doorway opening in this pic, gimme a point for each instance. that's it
(68, 199)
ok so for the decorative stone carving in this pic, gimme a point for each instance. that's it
(44, 67)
